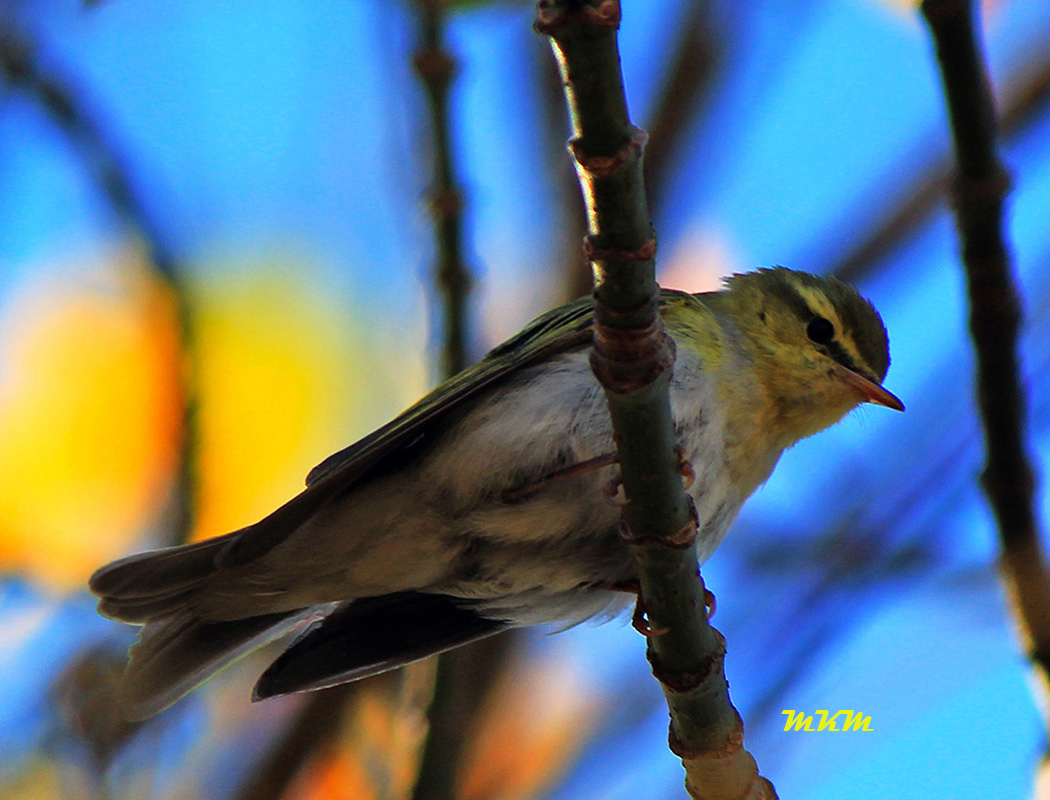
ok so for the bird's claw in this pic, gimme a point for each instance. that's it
(641, 624)
(685, 467)
(612, 492)
(638, 618)
(709, 601)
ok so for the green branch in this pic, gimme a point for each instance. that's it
(633, 358)
(691, 67)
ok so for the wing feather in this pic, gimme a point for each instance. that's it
(555, 332)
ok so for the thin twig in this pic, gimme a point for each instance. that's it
(980, 188)
(632, 359)
(85, 691)
(436, 67)
(463, 676)
(22, 67)
(465, 679)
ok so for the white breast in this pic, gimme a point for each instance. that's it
(565, 534)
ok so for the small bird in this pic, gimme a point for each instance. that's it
(486, 505)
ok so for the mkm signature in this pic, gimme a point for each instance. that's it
(855, 721)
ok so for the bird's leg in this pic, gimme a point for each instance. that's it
(638, 619)
(570, 471)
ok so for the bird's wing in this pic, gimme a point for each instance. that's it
(555, 332)
(549, 334)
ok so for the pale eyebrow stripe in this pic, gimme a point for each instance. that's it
(794, 300)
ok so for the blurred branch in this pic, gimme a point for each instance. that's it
(23, 67)
(314, 729)
(829, 577)
(465, 676)
(88, 723)
(1024, 100)
(435, 67)
(465, 679)
(980, 188)
(632, 359)
(696, 56)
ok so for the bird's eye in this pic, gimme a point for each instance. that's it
(820, 330)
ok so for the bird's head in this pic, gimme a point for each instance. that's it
(818, 348)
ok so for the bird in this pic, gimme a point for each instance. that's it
(486, 505)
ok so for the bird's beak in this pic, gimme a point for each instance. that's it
(871, 391)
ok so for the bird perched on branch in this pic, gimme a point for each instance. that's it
(485, 506)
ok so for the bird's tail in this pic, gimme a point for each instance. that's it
(177, 650)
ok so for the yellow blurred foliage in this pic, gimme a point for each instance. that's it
(90, 405)
(88, 418)
(283, 383)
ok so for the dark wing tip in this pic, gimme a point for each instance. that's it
(369, 636)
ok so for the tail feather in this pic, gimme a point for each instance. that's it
(176, 655)
(157, 574)
(139, 611)
(178, 648)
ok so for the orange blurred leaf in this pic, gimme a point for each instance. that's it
(88, 418)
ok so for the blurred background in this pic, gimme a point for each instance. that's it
(216, 267)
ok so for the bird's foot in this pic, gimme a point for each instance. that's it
(638, 619)
(613, 492)
(640, 622)
(685, 466)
